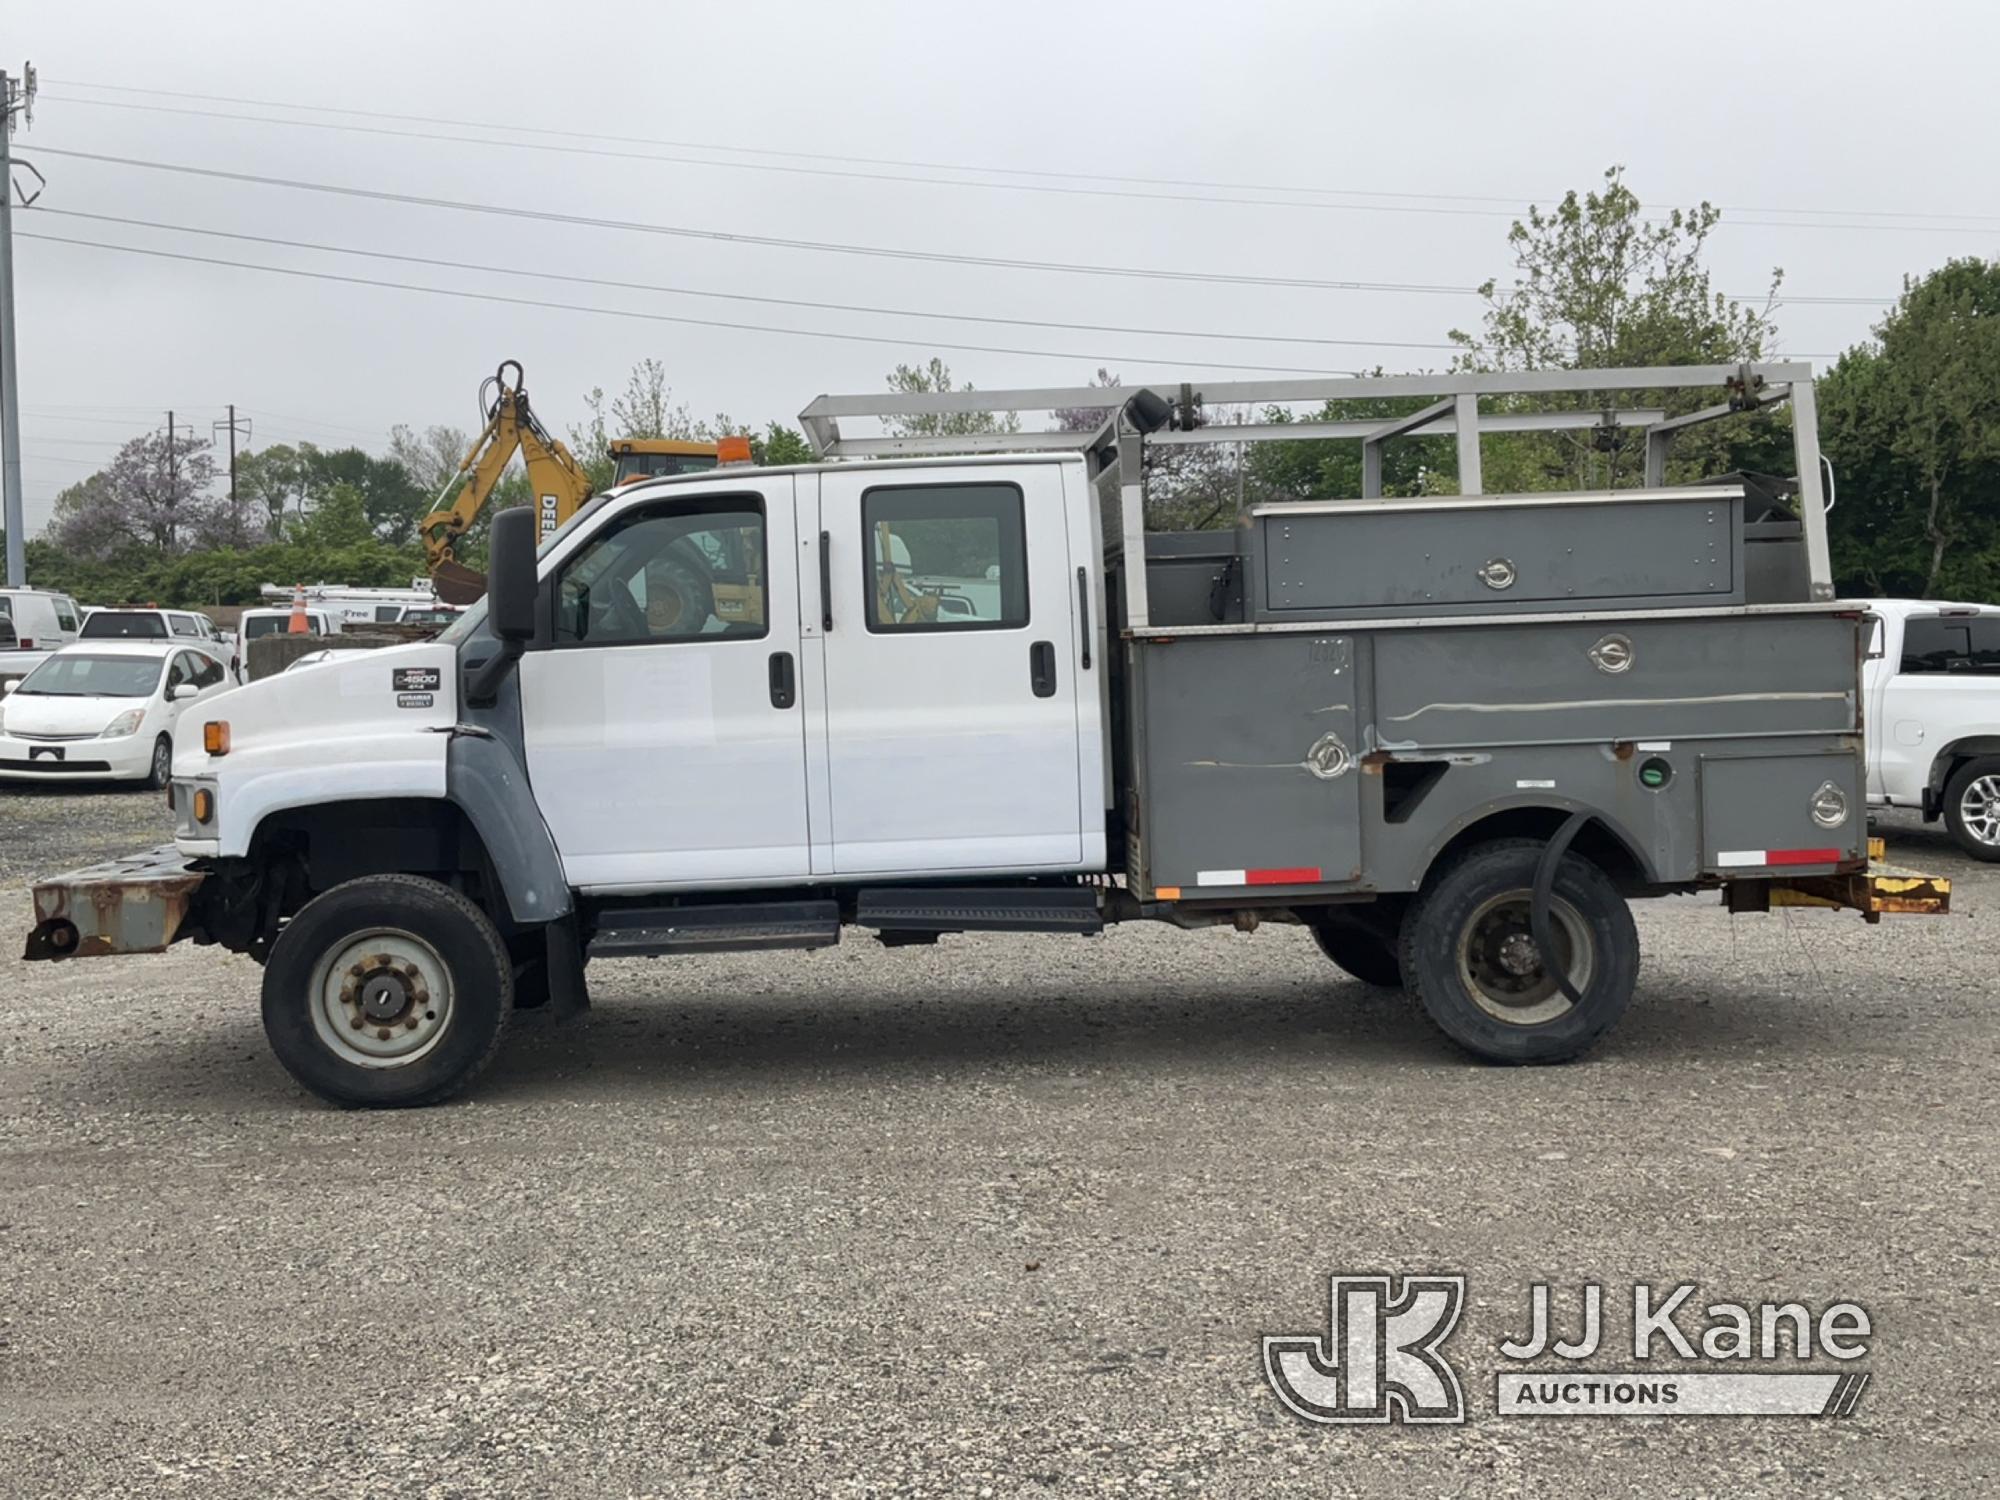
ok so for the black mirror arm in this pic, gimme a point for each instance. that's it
(483, 677)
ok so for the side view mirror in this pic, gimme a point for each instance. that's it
(181, 691)
(510, 601)
(510, 580)
(8, 687)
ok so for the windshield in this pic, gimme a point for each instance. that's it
(255, 626)
(81, 676)
(462, 628)
(125, 625)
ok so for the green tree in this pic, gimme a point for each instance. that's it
(1910, 422)
(1598, 284)
(934, 375)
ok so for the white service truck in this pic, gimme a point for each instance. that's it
(920, 694)
(1932, 689)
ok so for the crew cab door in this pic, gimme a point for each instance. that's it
(662, 715)
(951, 643)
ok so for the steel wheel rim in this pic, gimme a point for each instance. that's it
(1979, 810)
(381, 998)
(1502, 972)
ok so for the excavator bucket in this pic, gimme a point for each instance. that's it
(457, 584)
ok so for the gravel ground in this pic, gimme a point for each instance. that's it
(1004, 1216)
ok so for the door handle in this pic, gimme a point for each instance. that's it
(1042, 669)
(1083, 613)
(784, 681)
(825, 582)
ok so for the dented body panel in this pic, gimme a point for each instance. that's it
(1360, 754)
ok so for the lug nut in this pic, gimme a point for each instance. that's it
(382, 1034)
(359, 1023)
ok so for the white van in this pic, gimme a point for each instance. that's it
(33, 622)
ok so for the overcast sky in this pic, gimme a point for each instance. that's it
(1773, 111)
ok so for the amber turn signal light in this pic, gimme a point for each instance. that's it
(215, 736)
(732, 450)
(204, 805)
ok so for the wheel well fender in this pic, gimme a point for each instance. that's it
(1952, 756)
(1602, 841)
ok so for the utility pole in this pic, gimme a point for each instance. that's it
(234, 429)
(15, 97)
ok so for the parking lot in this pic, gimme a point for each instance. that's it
(1002, 1216)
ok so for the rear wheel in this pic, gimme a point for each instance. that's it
(1972, 807)
(389, 990)
(1474, 969)
(1360, 951)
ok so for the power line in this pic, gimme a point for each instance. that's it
(1511, 202)
(940, 257)
(870, 161)
(848, 173)
(615, 312)
(852, 307)
(1221, 278)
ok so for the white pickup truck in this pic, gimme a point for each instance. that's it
(1931, 686)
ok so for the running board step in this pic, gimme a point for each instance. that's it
(973, 909)
(716, 929)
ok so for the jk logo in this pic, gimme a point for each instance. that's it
(1380, 1360)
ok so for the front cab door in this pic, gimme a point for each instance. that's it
(660, 710)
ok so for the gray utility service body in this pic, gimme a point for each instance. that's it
(1450, 734)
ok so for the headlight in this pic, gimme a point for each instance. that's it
(126, 723)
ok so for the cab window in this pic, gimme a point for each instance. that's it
(184, 625)
(66, 615)
(680, 571)
(945, 557)
(207, 671)
(1934, 644)
(181, 671)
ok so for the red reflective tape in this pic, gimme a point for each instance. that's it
(1299, 875)
(1802, 857)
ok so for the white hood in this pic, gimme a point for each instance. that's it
(45, 713)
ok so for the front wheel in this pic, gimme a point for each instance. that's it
(389, 990)
(1972, 807)
(160, 770)
(1473, 967)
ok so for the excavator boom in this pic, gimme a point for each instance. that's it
(555, 479)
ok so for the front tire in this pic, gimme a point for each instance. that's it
(1972, 807)
(1474, 970)
(387, 991)
(160, 769)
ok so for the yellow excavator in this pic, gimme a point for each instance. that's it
(555, 478)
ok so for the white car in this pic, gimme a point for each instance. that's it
(1931, 701)
(104, 710)
(151, 623)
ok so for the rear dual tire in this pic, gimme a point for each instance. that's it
(1473, 969)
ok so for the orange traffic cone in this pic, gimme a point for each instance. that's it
(299, 624)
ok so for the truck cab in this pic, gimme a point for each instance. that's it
(1932, 687)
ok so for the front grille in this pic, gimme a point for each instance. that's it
(22, 734)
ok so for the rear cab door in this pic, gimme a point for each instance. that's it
(951, 739)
